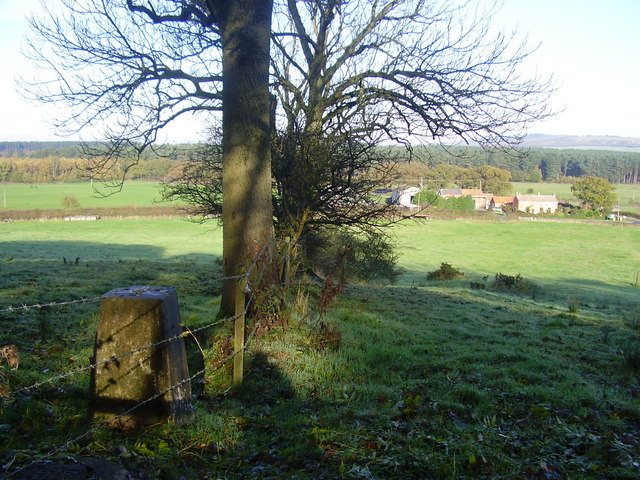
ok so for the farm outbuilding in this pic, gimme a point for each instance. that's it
(404, 196)
(450, 192)
(498, 202)
(480, 199)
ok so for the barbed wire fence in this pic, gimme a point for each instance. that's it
(245, 288)
(86, 300)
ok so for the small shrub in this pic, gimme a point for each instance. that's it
(445, 272)
(364, 257)
(512, 283)
(69, 202)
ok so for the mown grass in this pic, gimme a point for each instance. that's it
(426, 379)
(21, 196)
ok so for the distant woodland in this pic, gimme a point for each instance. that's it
(41, 162)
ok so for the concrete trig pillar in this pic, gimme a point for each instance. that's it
(130, 319)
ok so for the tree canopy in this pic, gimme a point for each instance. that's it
(595, 192)
(136, 66)
(346, 76)
(407, 71)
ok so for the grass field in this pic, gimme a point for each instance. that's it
(597, 262)
(421, 379)
(20, 196)
(140, 193)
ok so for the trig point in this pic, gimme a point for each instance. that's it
(131, 319)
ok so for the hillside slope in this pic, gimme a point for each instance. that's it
(582, 141)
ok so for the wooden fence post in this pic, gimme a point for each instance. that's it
(238, 334)
(286, 264)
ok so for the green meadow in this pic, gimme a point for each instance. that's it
(597, 262)
(141, 193)
(23, 196)
(437, 379)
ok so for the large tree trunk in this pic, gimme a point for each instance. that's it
(247, 211)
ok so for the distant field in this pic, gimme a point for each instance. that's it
(590, 261)
(629, 195)
(21, 196)
(110, 239)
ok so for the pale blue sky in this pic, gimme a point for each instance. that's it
(592, 47)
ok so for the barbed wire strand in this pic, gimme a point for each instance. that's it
(272, 240)
(215, 366)
(206, 282)
(41, 305)
(115, 419)
(38, 306)
(114, 358)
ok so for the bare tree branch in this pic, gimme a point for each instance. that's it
(436, 69)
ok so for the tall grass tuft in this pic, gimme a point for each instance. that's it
(632, 320)
(573, 305)
(631, 353)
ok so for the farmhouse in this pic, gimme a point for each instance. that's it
(535, 203)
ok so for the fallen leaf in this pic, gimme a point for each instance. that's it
(10, 354)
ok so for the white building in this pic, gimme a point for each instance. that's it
(404, 196)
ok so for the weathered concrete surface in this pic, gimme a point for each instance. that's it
(131, 319)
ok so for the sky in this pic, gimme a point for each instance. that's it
(591, 47)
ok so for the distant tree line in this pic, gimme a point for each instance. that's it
(61, 162)
(44, 162)
(40, 149)
(62, 169)
(69, 149)
(535, 164)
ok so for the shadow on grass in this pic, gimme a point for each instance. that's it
(277, 425)
(424, 372)
(424, 376)
(46, 271)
